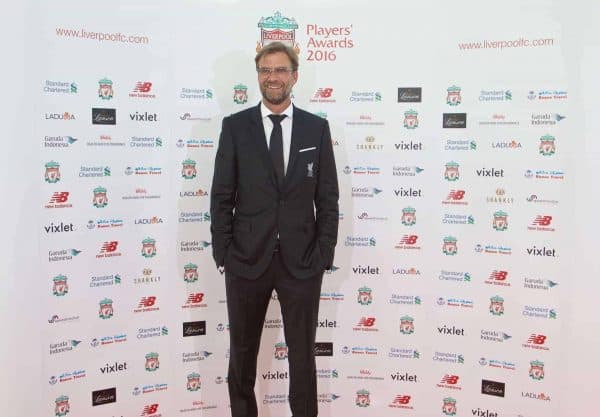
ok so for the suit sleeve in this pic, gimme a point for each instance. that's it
(223, 194)
(326, 200)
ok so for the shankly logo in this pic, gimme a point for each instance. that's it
(105, 89)
(277, 28)
(52, 174)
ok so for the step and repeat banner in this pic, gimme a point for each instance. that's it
(456, 143)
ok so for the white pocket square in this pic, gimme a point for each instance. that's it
(307, 149)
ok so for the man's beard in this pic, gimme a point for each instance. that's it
(275, 97)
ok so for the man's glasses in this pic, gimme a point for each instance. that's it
(281, 71)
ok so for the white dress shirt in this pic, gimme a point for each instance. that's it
(286, 129)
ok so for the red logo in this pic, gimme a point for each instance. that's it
(542, 221)
(147, 302)
(401, 399)
(149, 410)
(536, 339)
(366, 322)
(109, 247)
(142, 87)
(409, 240)
(195, 298)
(60, 197)
(498, 275)
(456, 195)
(323, 93)
(449, 379)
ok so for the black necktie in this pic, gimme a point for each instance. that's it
(276, 146)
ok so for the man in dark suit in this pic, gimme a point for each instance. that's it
(274, 213)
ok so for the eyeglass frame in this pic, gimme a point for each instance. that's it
(279, 71)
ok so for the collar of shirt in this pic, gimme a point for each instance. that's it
(286, 130)
(265, 112)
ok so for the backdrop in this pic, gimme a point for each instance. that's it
(464, 140)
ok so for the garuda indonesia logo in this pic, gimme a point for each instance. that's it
(277, 28)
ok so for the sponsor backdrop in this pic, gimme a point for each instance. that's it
(460, 140)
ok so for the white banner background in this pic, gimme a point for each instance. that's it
(210, 46)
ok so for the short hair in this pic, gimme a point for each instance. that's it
(275, 47)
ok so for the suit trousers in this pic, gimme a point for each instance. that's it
(247, 303)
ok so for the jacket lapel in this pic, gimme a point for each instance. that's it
(298, 126)
(258, 132)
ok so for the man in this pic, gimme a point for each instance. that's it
(274, 211)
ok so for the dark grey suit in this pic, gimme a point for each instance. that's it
(273, 237)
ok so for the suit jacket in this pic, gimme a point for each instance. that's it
(249, 210)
